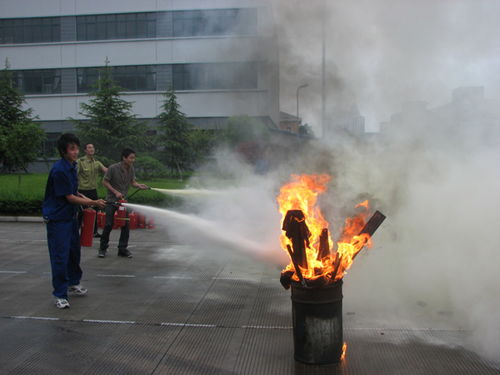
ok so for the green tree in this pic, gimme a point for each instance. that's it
(147, 167)
(306, 130)
(110, 124)
(248, 136)
(20, 137)
(202, 142)
(174, 136)
(245, 129)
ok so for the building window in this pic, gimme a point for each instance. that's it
(30, 30)
(129, 78)
(41, 81)
(131, 25)
(86, 79)
(116, 26)
(135, 78)
(49, 146)
(215, 76)
(214, 22)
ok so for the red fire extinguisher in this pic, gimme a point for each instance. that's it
(151, 223)
(121, 214)
(101, 219)
(87, 233)
(133, 220)
(141, 221)
(115, 222)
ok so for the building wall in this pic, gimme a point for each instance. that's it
(69, 55)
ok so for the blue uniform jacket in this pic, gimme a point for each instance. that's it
(62, 181)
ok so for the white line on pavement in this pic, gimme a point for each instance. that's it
(109, 321)
(267, 327)
(173, 277)
(168, 324)
(34, 317)
(101, 275)
(188, 325)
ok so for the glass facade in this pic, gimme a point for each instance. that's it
(129, 78)
(40, 81)
(30, 30)
(205, 76)
(214, 22)
(116, 26)
(212, 76)
(210, 22)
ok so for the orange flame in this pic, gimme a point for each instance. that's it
(301, 193)
(344, 351)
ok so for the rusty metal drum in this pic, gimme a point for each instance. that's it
(317, 323)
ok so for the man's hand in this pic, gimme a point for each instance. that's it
(101, 203)
(119, 195)
(143, 186)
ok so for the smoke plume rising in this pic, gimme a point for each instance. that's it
(432, 169)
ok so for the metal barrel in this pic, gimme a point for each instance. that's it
(317, 323)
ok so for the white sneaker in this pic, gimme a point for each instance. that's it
(62, 303)
(77, 290)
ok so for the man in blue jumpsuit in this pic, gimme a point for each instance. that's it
(60, 214)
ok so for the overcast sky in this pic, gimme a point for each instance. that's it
(381, 53)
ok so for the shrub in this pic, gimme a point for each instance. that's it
(24, 207)
(147, 167)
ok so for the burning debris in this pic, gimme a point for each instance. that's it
(315, 273)
(307, 239)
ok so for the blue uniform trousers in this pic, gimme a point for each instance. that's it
(64, 249)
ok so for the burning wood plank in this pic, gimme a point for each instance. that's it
(368, 230)
(336, 265)
(370, 227)
(296, 266)
(286, 278)
(296, 230)
(324, 245)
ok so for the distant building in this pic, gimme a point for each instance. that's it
(289, 122)
(218, 55)
(346, 122)
(469, 114)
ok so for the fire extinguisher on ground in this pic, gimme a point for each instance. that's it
(141, 221)
(121, 214)
(87, 233)
(133, 220)
(101, 219)
(151, 223)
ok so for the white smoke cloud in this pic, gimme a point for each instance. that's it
(381, 52)
(434, 173)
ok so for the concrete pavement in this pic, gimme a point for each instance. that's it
(174, 309)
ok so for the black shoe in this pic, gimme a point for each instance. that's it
(97, 235)
(124, 253)
(101, 254)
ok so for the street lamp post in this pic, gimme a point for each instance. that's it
(298, 88)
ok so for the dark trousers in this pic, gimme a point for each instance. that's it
(92, 194)
(64, 250)
(124, 234)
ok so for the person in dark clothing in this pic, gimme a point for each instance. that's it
(117, 180)
(60, 215)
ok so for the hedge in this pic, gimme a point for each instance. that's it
(23, 194)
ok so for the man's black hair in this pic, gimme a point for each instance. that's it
(64, 141)
(86, 144)
(126, 152)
